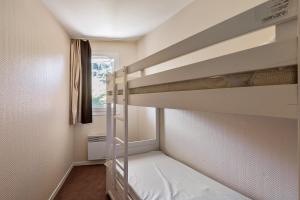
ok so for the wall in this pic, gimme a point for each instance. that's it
(141, 123)
(192, 19)
(253, 155)
(36, 142)
(169, 33)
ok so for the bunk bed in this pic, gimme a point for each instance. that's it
(258, 81)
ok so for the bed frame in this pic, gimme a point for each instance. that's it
(179, 88)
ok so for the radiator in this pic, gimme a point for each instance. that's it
(96, 147)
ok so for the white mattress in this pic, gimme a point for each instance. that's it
(155, 176)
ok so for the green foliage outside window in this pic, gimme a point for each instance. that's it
(101, 66)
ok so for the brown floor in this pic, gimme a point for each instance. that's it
(84, 183)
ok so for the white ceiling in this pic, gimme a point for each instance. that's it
(113, 19)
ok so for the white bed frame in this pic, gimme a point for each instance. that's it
(272, 100)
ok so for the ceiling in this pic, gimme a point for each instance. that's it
(113, 19)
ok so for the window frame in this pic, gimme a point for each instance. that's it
(102, 110)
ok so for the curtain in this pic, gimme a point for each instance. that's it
(86, 100)
(80, 82)
(75, 79)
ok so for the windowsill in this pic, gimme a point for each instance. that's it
(99, 111)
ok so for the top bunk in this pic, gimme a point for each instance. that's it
(257, 81)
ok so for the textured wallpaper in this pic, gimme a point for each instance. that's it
(256, 156)
(36, 142)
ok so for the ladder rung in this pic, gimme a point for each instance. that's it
(120, 164)
(121, 187)
(119, 140)
(119, 118)
(120, 182)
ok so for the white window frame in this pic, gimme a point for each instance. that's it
(102, 111)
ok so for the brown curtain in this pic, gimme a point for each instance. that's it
(86, 97)
(80, 82)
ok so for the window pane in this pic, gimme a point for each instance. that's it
(101, 65)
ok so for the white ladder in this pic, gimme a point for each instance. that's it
(121, 181)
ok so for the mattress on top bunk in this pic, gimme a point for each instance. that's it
(155, 176)
(273, 76)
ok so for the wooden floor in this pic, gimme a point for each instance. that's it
(84, 183)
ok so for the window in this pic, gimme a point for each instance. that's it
(101, 65)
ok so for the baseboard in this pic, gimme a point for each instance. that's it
(61, 182)
(81, 163)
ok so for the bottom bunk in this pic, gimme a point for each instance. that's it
(154, 175)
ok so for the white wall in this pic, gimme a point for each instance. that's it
(197, 17)
(253, 155)
(36, 141)
(194, 18)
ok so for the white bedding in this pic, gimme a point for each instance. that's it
(155, 176)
